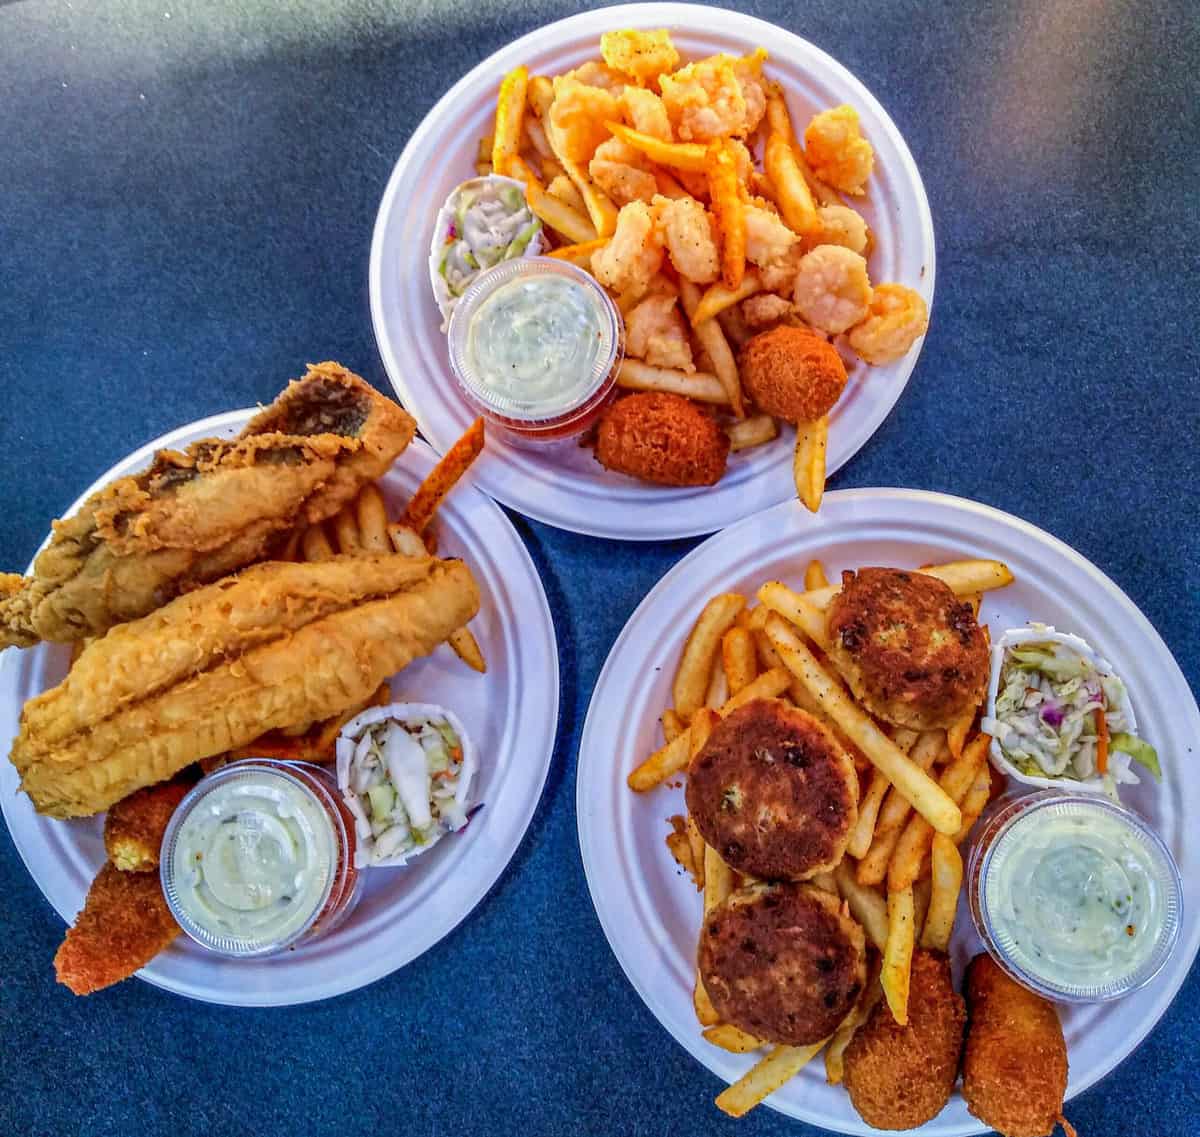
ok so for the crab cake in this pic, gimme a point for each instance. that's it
(912, 652)
(773, 792)
(782, 962)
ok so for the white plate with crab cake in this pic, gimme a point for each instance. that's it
(563, 483)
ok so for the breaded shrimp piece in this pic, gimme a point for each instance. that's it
(896, 319)
(768, 239)
(643, 56)
(1015, 1063)
(134, 827)
(748, 69)
(617, 169)
(766, 310)
(839, 225)
(780, 275)
(634, 253)
(837, 151)
(792, 374)
(124, 924)
(705, 101)
(662, 438)
(596, 74)
(832, 290)
(578, 114)
(689, 233)
(645, 111)
(656, 331)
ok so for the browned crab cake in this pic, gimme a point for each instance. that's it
(783, 962)
(912, 652)
(773, 792)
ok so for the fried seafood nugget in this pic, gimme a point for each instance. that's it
(578, 114)
(899, 1077)
(714, 98)
(689, 233)
(769, 242)
(656, 331)
(596, 74)
(645, 112)
(840, 225)
(792, 373)
(643, 56)
(662, 438)
(766, 310)
(896, 319)
(832, 289)
(837, 151)
(134, 827)
(617, 169)
(124, 924)
(1015, 1064)
(633, 255)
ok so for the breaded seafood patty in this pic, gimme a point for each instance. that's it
(792, 373)
(782, 962)
(663, 438)
(773, 792)
(912, 652)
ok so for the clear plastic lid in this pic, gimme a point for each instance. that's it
(249, 859)
(534, 340)
(1074, 896)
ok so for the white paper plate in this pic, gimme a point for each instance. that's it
(569, 488)
(511, 713)
(651, 914)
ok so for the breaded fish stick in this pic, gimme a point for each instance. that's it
(124, 924)
(134, 827)
(315, 673)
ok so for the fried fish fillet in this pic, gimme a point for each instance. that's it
(124, 924)
(197, 515)
(134, 827)
(313, 672)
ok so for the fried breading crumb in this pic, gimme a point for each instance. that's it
(134, 827)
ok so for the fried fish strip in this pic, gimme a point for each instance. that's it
(197, 515)
(134, 827)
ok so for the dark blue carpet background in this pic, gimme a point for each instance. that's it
(187, 191)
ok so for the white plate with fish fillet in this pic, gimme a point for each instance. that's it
(651, 913)
(568, 487)
(511, 713)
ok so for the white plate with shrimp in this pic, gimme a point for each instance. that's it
(511, 713)
(649, 908)
(566, 486)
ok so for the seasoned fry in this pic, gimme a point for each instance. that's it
(753, 431)
(808, 465)
(697, 846)
(672, 725)
(963, 578)
(867, 906)
(717, 297)
(467, 648)
(718, 884)
(781, 1065)
(699, 385)
(738, 658)
(868, 806)
(539, 94)
(681, 850)
(695, 664)
(443, 477)
(732, 1039)
(703, 722)
(814, 576)
(345, 531)
(370, 513)
(556, 214)
(510, 112)
(947, 873)
(725, 195)
(677, 155)
(925, 794)
(664, 762)
(897, 954)
(706, 1013)
(769, 685)
(406, 540)
(315, 546)
(580, 255)
(712, 339)
(975, 802)
(791, 190)
(718, 686)
(794, 607)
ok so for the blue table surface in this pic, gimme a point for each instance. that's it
(187, 191)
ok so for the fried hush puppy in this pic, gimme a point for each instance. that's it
(773, 792)
(899, 1077)
(1015, 1064)
(663, 438)
(124, 924)
(792, 373)
(783, 962)
(912, 652)
(134, 827)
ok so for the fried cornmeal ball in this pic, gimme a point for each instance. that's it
(773, 792)
(663, 438)
(913, 653)
(792, 374)
(134, 827)
(783, 962)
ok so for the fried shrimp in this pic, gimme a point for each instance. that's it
(768, 240)
(840, 225)
(832, 289)
(578, 114)
(687, 229)
(645, 111)
(634, 254)
(896, 319)
(706, 100)
(642, 55)
(837, 151)
(656, 332)
(617, 169)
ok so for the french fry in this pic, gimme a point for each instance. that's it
(913, 846)
(564, 189)
(835, 1064)
(922, 890)
(866, 905)
(556, 214)
(779, 120)
(732, 1039)
(825, 882)
(964, 579)
(406, 540)
(781, 1065)
(717, 297)
(897, 954)
(551, 171)
(677, 843)
(726, 198)
(677, 155)
(769, 685)
(956, 733)
(443, 478)
(371, 515)
(947, 873)
(510, 111)
(291, 548)
(700, 650)
(795, 608)
(718, 686)
(706, 1013)
(699, 385)
(672, 725)
(580, 255)
(808, 463)
(483, 152)
(669, 186)
(791, 190)
(601, 211)
(738, 658)
(466, 647)
(536, 137)
(718, 884)
(539, 93)
(821, 191)
(926, 795)
(314, 545)
(713, 341)
(664, 762)
(345, 531)
(814, 576)
(868, 814)
(697, 845)
(975, 802)
(754, 431)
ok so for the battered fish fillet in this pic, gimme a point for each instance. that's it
(124, 924)
(315, 672)
(134, 827)
(199, 515)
